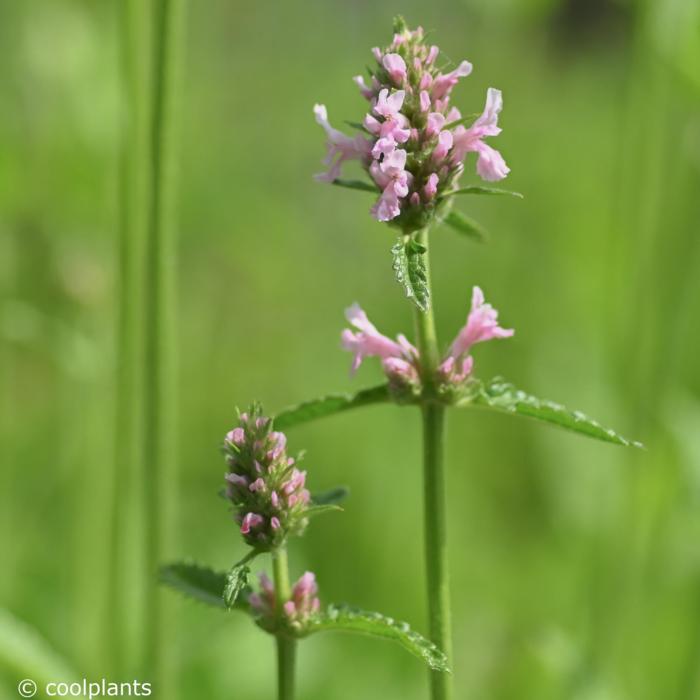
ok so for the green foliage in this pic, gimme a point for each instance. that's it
(356, 185)
(477, 189)
(466, 226)
(199, 582)
(336, 495)
(502, 396)
(329, 405)
(342, 618)
(410, 270)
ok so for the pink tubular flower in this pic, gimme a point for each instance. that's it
(443, 84)
(395, 67)
(430, 189)
(340, 147)
(390, 175)
(369, 342)
(490, 164)
(481, 325)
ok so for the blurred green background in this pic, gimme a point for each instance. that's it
(575, 565)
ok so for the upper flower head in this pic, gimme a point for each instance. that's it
(266, 488)
(411, 122)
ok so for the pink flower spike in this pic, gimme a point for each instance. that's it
(482, 325)
(443, 84)
(432, 55)
(290, 608)
(414, 199)
(396, 67)
(377, 54)
(275, 499)
(275, 523)
(430, 189)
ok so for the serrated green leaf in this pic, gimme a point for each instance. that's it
(198, 582)
(466, 226)
(336, 495)
(476, 189)
(343, 618)
(356, 185)
(502, 396)
(410, 271)
(329, 405)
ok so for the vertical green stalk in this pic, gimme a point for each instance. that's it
(159, 395)
(436, 562)
(286, 647)
(134, 199)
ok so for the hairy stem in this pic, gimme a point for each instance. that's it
(286, 647)
(436, 563)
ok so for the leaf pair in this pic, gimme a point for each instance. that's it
(211, 587)
(496, 395)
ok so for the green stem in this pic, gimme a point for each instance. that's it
(286, 647)
(436, 562)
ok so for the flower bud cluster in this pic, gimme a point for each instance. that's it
(294, 613)
(266, 488)
(415, 140)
